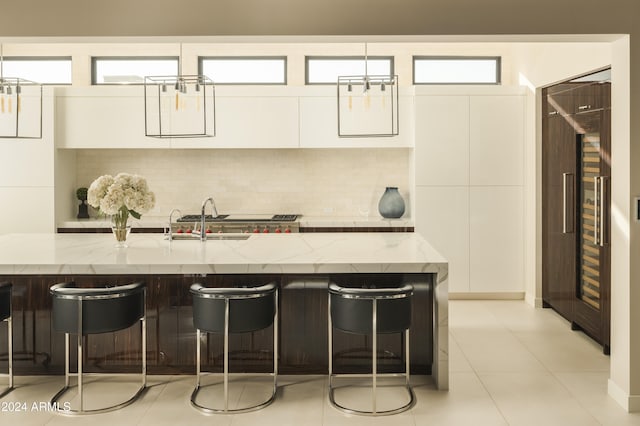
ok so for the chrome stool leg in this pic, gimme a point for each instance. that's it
(10, 356)
(226, 374)
(374, 370)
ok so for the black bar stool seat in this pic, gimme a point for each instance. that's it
(6, 316)
(234, 310)
(84, 311)
(370, 311)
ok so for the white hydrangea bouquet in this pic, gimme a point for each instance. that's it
(120, 197)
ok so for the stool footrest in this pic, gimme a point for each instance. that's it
(211, 410)
(56, 397)
(408, 405)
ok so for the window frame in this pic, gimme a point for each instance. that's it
(95, 59)
(497, 59)
(41, 58)
(201, 60)
(391, 59)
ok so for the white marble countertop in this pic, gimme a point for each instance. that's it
(305, 222)
(271, 253)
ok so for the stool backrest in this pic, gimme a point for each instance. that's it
(5, 300)
(104, 310)
(352, 308)
(250, 308)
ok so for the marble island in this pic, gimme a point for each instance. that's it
(304, 261)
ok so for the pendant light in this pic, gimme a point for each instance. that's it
(367, 104)
(179, 106)
(20, 106)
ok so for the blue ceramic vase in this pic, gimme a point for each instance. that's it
(391, 205)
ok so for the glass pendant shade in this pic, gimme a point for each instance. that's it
(20, 108)
(181, 106)
(368, 106)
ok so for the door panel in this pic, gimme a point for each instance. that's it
(591, 308)
(559, 224)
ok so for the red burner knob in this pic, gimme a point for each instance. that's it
(265, 231)
(278, 231)
(287, 231)
(256, 231)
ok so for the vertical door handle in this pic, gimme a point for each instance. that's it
(596, 207)
(566, 229)
(603, 210)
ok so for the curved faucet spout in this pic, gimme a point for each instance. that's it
(170, 231)
(214, 212)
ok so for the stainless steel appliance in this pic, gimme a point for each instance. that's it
(236, 223)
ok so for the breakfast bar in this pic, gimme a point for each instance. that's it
(302, 265)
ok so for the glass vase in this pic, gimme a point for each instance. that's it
(120, 227)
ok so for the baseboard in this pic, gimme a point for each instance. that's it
(536, 302)
(631, 403)
(487, 296)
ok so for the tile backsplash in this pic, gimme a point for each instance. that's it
(313, 182)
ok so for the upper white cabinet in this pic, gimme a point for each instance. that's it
(442, 140)
(496, 139)
(102, 117)
(250, 122)
(319, 123)
(245, 117)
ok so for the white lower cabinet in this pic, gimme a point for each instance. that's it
(443, 220)
(496, 245)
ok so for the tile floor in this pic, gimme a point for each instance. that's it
(510, 365)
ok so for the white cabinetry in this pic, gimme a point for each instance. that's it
(250, 122)
(319, 125)
(469, 184)
(27, 178)
(102, 117)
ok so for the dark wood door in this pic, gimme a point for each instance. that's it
(592, 312)
(558, 208)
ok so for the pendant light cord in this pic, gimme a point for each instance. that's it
(366, 74)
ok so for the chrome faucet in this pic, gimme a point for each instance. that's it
(214, 212)
(170, 231)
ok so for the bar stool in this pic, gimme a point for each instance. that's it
(370, 311)
(234, 310)
(84, 311)
(5, 316)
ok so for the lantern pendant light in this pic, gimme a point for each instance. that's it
(179, 106)
(367, 104)
(20, 106)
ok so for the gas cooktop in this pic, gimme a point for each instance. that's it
(240, 218)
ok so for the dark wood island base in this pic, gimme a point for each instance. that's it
(171, 337)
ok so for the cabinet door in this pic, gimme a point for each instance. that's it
(442, 140)
(98, 121)
(319, 126)
(496, 140)
(250, 122)
(496, 245)
(442, 218)
(559, 214)
(592, 303)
